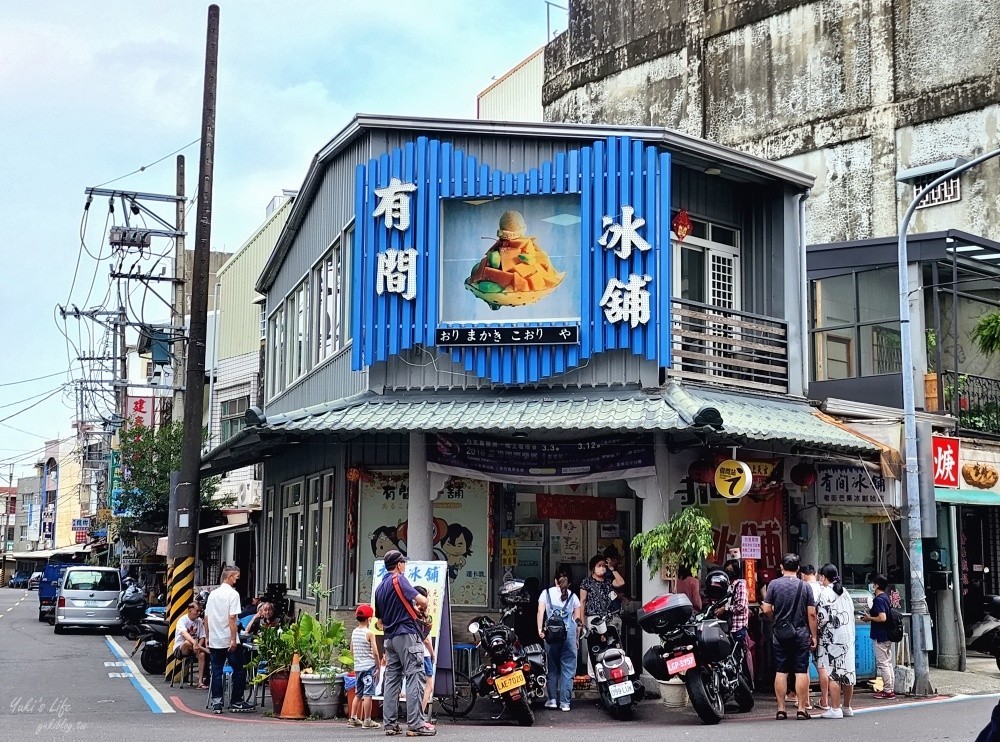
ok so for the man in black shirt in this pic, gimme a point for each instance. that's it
(789, 602)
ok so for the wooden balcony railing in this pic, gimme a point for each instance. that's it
(727, 347)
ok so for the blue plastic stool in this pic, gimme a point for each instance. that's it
(464, 658)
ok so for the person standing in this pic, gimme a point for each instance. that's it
(688, 584)
(221, 611)
(878, 617)
(789, 602)
(809, 577)
(559, 603)
(364, 650)
(835, 654)
(402, 611)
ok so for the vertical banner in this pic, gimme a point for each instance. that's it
(460, 535)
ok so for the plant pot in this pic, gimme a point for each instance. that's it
(322, 693)
(277, 686)
(673, 693)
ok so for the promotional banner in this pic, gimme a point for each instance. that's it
(549, 462)
(460, 536)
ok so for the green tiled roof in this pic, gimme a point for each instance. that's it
(576, 414)
(762, 419)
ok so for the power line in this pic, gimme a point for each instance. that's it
(51, 394)
(144, 167)
(37, 378)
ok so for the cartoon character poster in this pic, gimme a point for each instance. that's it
(460, 535)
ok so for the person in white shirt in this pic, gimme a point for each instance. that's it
(190, 639)
(221, 611)
(809, 577)
(559, 603)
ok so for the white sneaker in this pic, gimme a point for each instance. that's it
(551, 704)
(564, 707)
(848, 711)
(832, 714)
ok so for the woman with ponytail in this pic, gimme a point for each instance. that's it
(836, 641)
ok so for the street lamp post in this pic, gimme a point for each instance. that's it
(921, 621)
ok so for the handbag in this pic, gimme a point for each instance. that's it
(784, 630)
(555, 624)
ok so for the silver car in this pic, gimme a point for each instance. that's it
(88, 596)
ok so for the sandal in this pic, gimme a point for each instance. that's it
(780, 716)
(202, 685)
(802, 715)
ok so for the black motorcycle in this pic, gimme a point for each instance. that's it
(699, 648)
(617, 680)
(984, 635)
(132, 605)
(152, 641)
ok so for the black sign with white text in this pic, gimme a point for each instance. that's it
(485, 336)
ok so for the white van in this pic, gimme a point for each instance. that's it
(88, 596)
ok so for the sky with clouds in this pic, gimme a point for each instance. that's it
(92, 92)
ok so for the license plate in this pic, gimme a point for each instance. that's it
(621, 689)
(506, 683)
(91, 603)
(680, 664)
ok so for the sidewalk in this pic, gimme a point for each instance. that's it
(981, 676)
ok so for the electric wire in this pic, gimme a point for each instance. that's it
(146, 167)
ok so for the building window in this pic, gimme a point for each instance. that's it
(292, 535)
(232, 415)
(943, 193)
(24, 533)
(855, 325)
(709, 265)
(330, 303)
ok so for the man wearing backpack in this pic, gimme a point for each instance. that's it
(879, 618)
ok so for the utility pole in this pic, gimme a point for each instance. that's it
(180, 292)
(6, 527)
(182, 526)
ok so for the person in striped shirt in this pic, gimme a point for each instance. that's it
(366, 660)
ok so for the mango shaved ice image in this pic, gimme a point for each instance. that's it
(515, 271)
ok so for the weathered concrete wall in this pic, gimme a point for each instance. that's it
(850, 90)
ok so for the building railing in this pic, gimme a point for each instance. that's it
(728, 347)
(974, 400)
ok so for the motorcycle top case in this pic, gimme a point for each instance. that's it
(665, 612)
(714, 642)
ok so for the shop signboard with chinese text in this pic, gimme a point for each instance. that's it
(530, 462)
(460, 536)
(549, 266)
(141, 410)
(734, 518)
(855, 486)
(945, 460)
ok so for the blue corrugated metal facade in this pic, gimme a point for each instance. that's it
(608, 175)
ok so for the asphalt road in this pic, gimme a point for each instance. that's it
(70, 687)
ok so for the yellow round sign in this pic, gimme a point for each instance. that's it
(733, 478)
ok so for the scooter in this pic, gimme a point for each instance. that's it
(132, 607)
(617, 680)
(153, 643)
(984, 636)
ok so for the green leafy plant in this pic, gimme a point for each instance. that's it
(315, 588)
(986, 334)
(684, 540)
(274, 651)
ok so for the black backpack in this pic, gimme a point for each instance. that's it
(894, 625)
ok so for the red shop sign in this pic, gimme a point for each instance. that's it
(576, 507)
(945, 461)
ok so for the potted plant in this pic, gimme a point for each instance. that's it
(684, 540)
(325, 656)
(275, 656)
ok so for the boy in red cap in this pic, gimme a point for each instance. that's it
(366, 660)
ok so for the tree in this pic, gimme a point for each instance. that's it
(148, 455)
(986, 334)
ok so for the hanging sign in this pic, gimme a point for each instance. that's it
(733, 478)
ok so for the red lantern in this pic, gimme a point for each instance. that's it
(702, 471)
(803, 474)
(681, 225)
(353, 474)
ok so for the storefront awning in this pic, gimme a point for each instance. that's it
(162, 544)
(717, 418)
(966, 496)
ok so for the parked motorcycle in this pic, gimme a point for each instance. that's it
(617, 680)
(699, 648)
(132, 605)
(984, 635)
(152, 641)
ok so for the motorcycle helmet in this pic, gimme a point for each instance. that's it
(512, 593)
(716, 585)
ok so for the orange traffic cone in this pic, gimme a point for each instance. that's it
(294, 706)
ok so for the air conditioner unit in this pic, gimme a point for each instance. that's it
(248, 495)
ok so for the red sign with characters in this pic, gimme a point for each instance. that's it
(945, 462)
